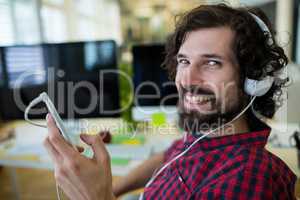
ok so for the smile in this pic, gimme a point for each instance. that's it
(198, 99)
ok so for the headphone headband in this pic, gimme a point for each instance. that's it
(263, 27)
(259, 87)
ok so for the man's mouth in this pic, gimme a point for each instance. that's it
(198, 101)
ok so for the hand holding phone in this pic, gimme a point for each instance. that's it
(43, 97)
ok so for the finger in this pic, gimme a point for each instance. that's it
(100, 152)
(56, 139)
(52, 151)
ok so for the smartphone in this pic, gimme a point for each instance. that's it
(58, 121)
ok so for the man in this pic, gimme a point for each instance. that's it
(213, 50)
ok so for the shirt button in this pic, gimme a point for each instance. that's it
(179, 177)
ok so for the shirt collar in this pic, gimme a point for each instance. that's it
(256, 138)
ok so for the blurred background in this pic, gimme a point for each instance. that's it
(126, 22)
(57, 45)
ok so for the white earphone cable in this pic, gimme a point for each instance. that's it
(58, 192)
(33, 103)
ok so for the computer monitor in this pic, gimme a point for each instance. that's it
(24, 77)
(82, 60)
(2, 78)
(91, 68)
(81, 64)
(24, 65)
(154, 91)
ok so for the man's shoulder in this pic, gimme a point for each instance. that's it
(250, 173)
(261, 162)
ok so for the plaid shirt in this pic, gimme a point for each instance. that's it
(230, 167)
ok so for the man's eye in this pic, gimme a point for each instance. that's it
(183, 61)
(213, 63)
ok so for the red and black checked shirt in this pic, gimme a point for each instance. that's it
(230, 167)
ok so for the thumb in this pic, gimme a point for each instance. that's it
(100, 152)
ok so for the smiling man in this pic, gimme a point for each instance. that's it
(208, 80)
(213, 54)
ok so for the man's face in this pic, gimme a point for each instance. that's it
(208, 79)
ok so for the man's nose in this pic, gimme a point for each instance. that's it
(191, 76)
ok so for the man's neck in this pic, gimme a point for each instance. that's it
(240, 125)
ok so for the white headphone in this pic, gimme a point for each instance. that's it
(259, 87)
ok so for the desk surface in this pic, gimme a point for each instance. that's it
(156, 142)
(27, 151)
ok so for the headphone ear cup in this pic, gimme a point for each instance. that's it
(258, 87)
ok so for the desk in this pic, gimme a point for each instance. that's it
(41, 160)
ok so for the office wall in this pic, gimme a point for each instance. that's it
(81, 20)
(35, 21)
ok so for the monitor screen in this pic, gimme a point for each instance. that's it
(1, 68)
(100, 55)
(80, 60)
(80, 92)
(24, 65)
(151, 82)
(82, 81)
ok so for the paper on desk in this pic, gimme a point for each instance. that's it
(29, 138)
(29, 141)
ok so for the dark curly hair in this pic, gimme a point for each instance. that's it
(256, 57)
